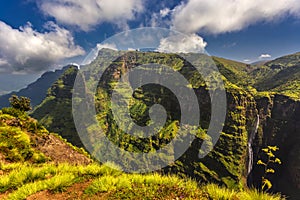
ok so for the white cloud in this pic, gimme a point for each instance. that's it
(177, 44)
(161, 18)
(3, 62)
(265, 56)
(87, 13)
(25, 50)
(164, 12)
(219, 16)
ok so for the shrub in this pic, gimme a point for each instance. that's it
(22, 103)
(271, 159)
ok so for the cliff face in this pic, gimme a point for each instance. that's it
(55, 112)
(280, 126)
(228, 163)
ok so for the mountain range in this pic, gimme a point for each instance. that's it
(263, 106)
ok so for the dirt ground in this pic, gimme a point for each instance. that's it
(73, 192)
(58, 150)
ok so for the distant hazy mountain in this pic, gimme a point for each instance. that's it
(37, 90)
(259, 63)
(15, 82)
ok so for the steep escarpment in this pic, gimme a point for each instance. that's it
(280, 123)
(227, 163)
(55, 112)
(222, 165)
(36, 164)
(254, 119)
(278, 106)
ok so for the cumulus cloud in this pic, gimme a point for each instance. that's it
(88, 13)
(220, 16)
(25, 50)
(161, 18)
(265, 56)
(192, 43)
(164, 12)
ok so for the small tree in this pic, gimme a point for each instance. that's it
(271, 158)
(22, 103)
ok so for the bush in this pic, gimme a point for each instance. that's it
(16, 144)
(22, 103)
(13, 112)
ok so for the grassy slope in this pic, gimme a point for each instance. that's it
(29, 174)
(21, 181)
(280, 76)
(235, 72)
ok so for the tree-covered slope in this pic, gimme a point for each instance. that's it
(235, 72)
(36, 164)
(222, 165)
(227, 164)
(55, 112)
(281, 75)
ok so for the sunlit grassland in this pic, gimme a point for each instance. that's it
(19, 181)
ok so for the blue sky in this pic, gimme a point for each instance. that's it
(40, 35)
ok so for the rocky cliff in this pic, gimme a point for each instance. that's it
(267, 118)
(55, 112)
(280, 123)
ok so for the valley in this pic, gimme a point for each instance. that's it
(262, 109)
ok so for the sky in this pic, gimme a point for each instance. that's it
(41, 35)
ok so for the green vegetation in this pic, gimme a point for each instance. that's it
(217, 192)
(268, 169)
(55, 112)
(235, 72)
(152, 186)
(280, 76)
(24, 139)
(251, 91)
(20, 181)
(25, 179)
(15, 139)
(22, 103)
(16, 146)
(26, 171)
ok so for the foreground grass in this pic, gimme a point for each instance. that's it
(217, 192)
(19, 181)
(153, 186)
